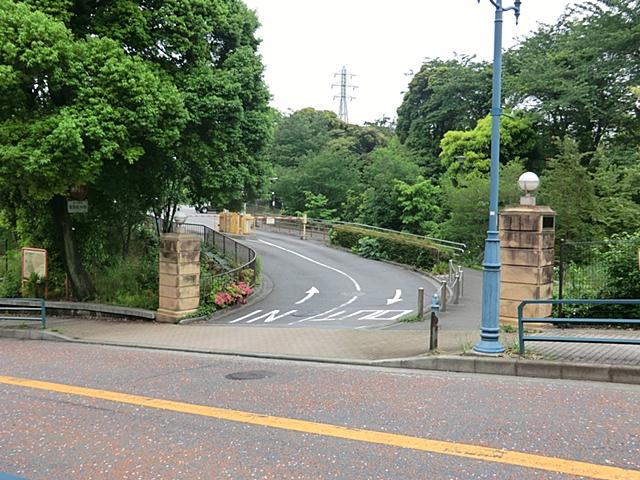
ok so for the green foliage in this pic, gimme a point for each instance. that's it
(577, 73)
(368, 247)
(130, 282)
(467, 205)
(420, 206)
(444, 95)
(578, 215)
(10, 278)
(399, 248)
(378, 204)
(315, 206)
(469, 152)
(332, 173)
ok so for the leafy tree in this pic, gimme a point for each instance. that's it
(315, 206)
(578, 73)
(302, 133)
(577, 207)
(444, 95)
(333, 172)
(467, 205)
(420, 206)
(466, 152)
(378, 203)
(147, 105)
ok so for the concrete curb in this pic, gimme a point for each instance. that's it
(442, 363)
(521, 368)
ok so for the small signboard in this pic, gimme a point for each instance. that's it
(34, 260)
(77, 206)
(271, 221)
(304, 218)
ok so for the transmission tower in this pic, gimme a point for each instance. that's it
(344, 98)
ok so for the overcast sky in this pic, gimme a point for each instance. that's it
(305, 42)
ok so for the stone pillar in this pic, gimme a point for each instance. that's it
(179, 276)
(527, 234)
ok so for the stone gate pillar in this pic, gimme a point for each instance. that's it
(179, 276)
(527, 234)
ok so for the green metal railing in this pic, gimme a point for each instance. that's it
(522, 320)
(20, 310)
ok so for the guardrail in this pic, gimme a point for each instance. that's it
(24, 306)
(318, 228)
(575, 321)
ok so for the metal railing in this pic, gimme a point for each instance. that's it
(22, 307)
(522, 320)
(244, 257)
(318, 228)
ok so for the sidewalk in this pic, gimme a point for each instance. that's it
(458, 331)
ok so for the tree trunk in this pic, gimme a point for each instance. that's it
(81, 283)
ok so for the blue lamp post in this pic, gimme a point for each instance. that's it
(489, 343)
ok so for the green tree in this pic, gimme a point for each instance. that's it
(333, 173)
(469, 152)
(378, 202)
(420, 206)
(444, 95)
(147, 105)
(568, 188)
(466, 205)
(578, 73)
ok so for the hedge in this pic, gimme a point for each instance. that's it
(405, 249)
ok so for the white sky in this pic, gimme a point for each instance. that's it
(304, 42)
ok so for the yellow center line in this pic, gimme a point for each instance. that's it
(476, 452)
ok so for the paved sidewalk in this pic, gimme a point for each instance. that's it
(458, 332)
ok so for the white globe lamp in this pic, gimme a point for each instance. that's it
(528, 183)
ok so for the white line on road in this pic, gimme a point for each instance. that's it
(355, 284)
(350, 301)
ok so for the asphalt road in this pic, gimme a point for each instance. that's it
(115, 413)
(315, 285)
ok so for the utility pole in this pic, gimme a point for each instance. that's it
(342, 113)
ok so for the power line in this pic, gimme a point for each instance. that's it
(344, 98)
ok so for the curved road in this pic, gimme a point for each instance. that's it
(314, 285)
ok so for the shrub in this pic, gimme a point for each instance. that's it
(408, 250)
(231, 294)
(369, 248)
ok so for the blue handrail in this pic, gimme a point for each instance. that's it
(582, 321)
(24, 305)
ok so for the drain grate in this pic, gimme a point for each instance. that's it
(250, 375)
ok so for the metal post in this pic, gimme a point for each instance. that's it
(433, 332)
(490, 331)
(456, 290)
(520, 329)
(444, 293)
(421, 303)
(461, 282)
(561, 274)
(235, 244)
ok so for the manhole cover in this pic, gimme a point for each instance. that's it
(250, 375)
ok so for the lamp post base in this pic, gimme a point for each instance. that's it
(487, 349)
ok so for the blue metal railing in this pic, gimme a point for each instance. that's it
(575, 321)
(23, 307)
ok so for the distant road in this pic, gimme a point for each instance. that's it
(322, 287)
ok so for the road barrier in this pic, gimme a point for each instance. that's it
(20, 309)
(522, 320)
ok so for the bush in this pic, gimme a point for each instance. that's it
(130, 282)
(10, 281)
(407, 250)
(369, 248)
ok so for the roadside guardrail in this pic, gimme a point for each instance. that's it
(23, 310)
(522, 320)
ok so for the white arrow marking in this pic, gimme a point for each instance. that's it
(397, 298)
(310, 293)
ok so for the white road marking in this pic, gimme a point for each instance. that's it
(245, 316)
(396, 298)
(310, 293)
(355, 284)
(271, 316)
(350, 301)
